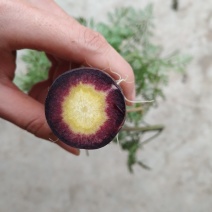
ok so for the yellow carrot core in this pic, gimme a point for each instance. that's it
(84, 109)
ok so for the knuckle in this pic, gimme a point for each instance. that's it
(34, 126)
(94, 41)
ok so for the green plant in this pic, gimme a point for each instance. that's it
(37, 70)
(129, 31)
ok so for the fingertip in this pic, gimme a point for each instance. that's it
(133, 94)
(129, 92)
(61, 144)
(68, 148)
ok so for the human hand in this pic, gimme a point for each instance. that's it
(42, 25)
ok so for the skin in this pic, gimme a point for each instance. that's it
(43, 25)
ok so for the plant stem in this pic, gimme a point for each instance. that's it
(175, 4)
(144, 129)
(136, 109)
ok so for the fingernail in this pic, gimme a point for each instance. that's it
(76, 152)
(68, 148)
(133, 95)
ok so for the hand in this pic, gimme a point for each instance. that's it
(42, 25)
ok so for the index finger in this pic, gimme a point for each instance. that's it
(65, 38)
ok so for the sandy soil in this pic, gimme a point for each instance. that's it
(37, 176)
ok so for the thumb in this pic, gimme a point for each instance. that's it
(26, 113)
(23, 111)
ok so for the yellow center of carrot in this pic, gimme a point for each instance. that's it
(84, 109)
